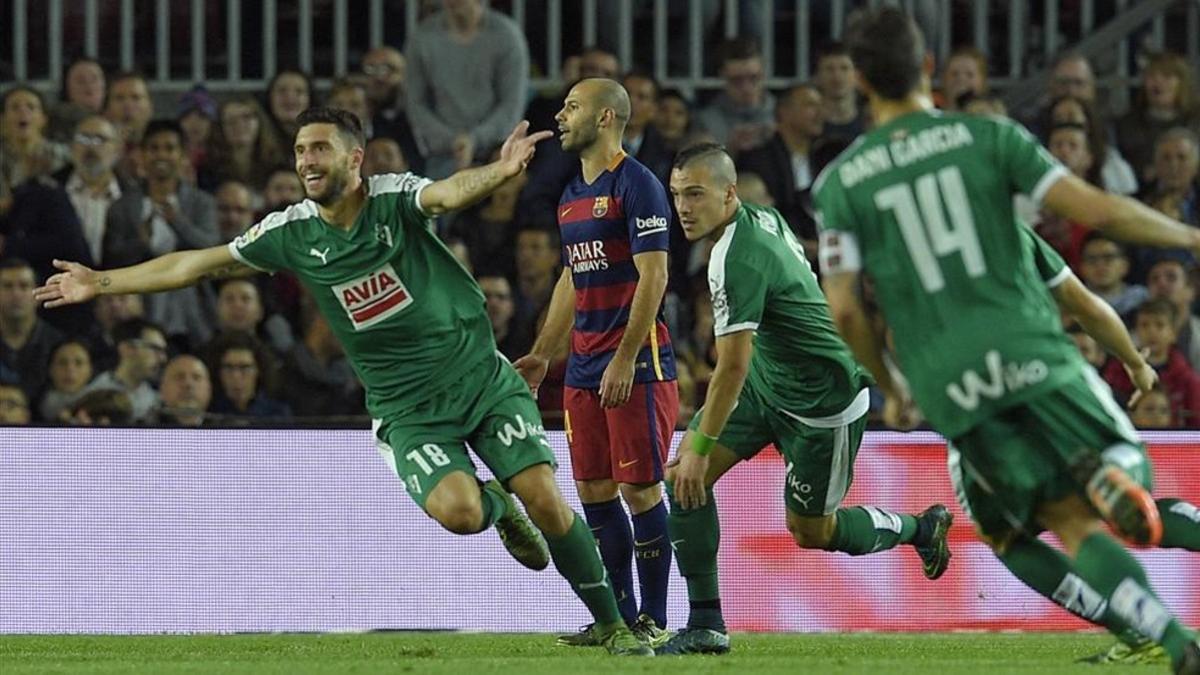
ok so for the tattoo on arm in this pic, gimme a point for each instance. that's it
(473, 183)
(232, 270)
(106, 281)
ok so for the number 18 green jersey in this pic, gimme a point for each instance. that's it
(924, 206)
(409, 316)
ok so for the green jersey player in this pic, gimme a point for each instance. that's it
(783, 376)
(413, 324)
(923, 204)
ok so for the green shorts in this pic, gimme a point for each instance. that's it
(819, 453)
(495, 413)
(1040, 451)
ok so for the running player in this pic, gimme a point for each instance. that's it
(413, 324)
(923, 204)
(783, 376)
(620, 399)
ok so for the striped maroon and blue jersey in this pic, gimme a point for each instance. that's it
(604, 225)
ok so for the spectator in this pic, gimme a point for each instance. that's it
(130, 109)
(164, 214)
(742, 115)
(385, 68)
(1089, 349)
(752, 188)
(537, 258)
(91, 182)
(461, 253)
(1167, 99)
(197, 117)
(70, 371)
(141, 353)
(14, 406)
(783, 161)
(244, 373)
(982, 104)
(317, 378)
(674, 119)
(186, 393)
(83, 91)
(1176, 164)
(1104, 265)
(463, 101)
(1170, 279)
(24, 150)
(25, 340)
(283, 189)
(1155, 332)
(383, 155)
(1069, 144)
(240, 310)
(641, 139)
(512, 339)
(102, 408)
(1152, 411)
(839, 93)
(350, 94)
(488, 228)
(1115, 175)
(235, 209)
(289, 93)
(110, 311)
(243, 147)
(965, 72)
(1071, 75)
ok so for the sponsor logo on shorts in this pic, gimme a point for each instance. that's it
(374, 297)
(630, 463)
(1002, 378)
(801, 491)
(521, 431)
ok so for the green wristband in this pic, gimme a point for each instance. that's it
(702, 443)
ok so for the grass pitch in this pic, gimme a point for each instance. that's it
(473, 654)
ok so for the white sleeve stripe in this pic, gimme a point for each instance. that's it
(237, 253)
(838, 252)
(736, 328)
(658, 231)
(1057, 280)
(417, 199)
(1046, 182)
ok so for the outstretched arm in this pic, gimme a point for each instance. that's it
(1117, 216)
(470, 185)
(77, 283)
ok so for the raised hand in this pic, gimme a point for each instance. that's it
(74, 284)
(518, 148)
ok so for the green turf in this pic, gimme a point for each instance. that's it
(470, 654)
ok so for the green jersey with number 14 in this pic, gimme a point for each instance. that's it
(409, 316)
(924, 206)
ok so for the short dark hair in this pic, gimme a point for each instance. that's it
(1097, 235)
(831, 48)
(78, 61)
(27, 89)
(162, 126)
(696, 151)
(15, 263)
(1157, 307)
(888, 49)
(347, 123)
(132, 329)
(738, 49)
(112, 405)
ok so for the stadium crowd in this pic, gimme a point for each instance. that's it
(102, 177)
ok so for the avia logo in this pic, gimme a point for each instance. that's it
(373, 298)
(651, 225)
(523, 430)
(1002, 378)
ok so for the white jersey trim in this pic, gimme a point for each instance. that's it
(298, 211)
(716, 279)
(857, 408)
(1046, 182)
(736, 328)
(838, 252)
(237, 253)
(387, 183)
(1058, 279)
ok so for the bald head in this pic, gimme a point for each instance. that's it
(584, 118)
(607, 94)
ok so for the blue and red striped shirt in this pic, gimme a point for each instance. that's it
(604, 225)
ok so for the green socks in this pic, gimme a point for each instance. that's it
(866, 529)
(1181, 524)
(577, 559)
(494, 505)
(695, 535)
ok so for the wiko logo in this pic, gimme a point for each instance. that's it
(1002, 377)
(508, 433)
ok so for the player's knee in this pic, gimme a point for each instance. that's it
(641, 497)
(460, 516)
(811, 531)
